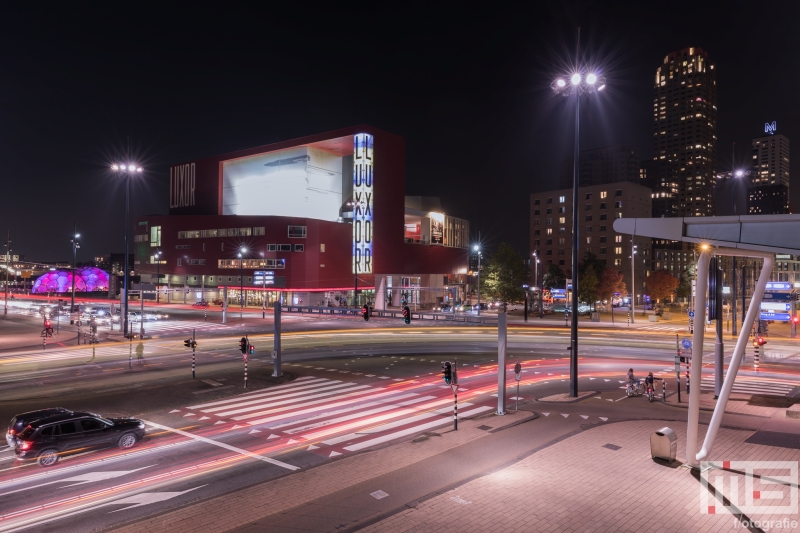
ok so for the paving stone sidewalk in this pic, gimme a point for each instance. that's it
(604, 480)
(737, 403)
(239, 508)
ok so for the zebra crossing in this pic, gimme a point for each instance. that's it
(161, 326)
(331, 417)
(752, 386)
(670, 329)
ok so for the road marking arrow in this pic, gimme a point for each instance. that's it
(82, 478)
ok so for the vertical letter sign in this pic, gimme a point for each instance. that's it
(363, 180)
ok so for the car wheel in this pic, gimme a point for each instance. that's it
(48, 458)
(128, 440)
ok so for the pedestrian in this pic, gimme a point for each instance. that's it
(140, 350)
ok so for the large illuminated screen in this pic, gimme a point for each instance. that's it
(302, 182)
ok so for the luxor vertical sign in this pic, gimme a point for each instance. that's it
(181, 185)
(363, 181)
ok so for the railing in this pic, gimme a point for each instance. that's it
(380, 313)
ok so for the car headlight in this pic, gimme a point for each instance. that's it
(141, 425)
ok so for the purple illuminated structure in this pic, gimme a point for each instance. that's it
(87, 279)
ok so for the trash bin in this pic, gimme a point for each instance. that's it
(664, 444)
(595, 316)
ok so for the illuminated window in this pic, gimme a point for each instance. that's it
(617, 262)
(618, 250)
(561, 220)
(549, 231)
(618, 238)
(561, 199)
(603, 194)
(272, 247)
(155, 236)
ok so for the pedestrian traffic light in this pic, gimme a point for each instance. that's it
(252, 350)
(447, 372)
(795, 319)
(243, 345)
(365, 311)
(47, 324)
(761, 341)
(406, 315)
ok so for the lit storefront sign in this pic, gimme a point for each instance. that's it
(264, 277)
(363, 181)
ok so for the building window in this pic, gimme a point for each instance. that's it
(602, 251)
(618, 192)
(617, 262)
(561, 199)
(272, 247)
(536, 212)
(297, 232)
(602, 240)
(252, 263)
(562, 230)
(603, 194)
(155, 236)
(284, 247)
(562, 209)
(299, 248)
(204, 247)
(536, 222)
(537, 232)
(618, 204)
(603, 205)
(549, 211)
(536, 202)
(548, 242)
(561, 252)
(549, 201)
(588, 240)
(182, 246)
(561, 241)
(588, 196)
(322, 246)
(536, 242)
(562, 220)
(549, 231)
(196, 262)
(548, 252)
(588, 218)
(618, 250)
(618, 238)
(619, 215)
(588, 207)
(560, 262)
(180, 262)
(549, 222)
(602, 228)
(603, 216)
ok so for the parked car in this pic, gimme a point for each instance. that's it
(20, 422)
(446, 308)
(202, 304)
(50, 437)
(483, 306)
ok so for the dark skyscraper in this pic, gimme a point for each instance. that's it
(601, 166)
(685, 129)
(769, 190)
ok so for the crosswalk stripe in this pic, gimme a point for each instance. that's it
(392, 425)
(376, 420)
(254, 403)
(295, 399)
(359, 394)
(352, 407)
(275, 390)
(753, 387)
(360, 414)
(412, 430)
(357, 402)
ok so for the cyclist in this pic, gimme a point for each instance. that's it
(649, 381)
(632, 381)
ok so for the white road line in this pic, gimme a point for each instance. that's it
(359, 394)
(225, 446)
(360, 414)
(305, 396)
(412, 430)
(320, 387)
(288, 413)
(392, 425)
(353, 406)
(373, 420)
(275, 390)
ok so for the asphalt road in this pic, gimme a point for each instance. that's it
(343, 392)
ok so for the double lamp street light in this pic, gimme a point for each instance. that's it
(127, 171)
(581, 81)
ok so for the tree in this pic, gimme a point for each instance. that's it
(661, 285)
(591, 261)
(504, 275)
(610, 283)
(685, 286)
(554, 277)
(587, 286)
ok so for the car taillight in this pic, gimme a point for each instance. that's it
(25, 445)
(12, 432)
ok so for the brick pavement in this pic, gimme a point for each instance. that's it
(227, 512)
(578, 485)
(737, 403)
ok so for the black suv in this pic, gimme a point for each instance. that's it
(20, 422)
(49, 437)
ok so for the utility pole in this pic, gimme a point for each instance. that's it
(8, 259)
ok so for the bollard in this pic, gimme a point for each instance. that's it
(664, 389)
(245, 373)
(687, 374)
(44, 342)
(756, 356)
(629, 316)
(205, 314)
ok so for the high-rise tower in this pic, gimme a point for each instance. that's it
(685, 130)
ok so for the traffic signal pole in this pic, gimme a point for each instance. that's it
(276, 350)
(193, 353)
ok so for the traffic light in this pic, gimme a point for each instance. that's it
(795, 319)
(447, 372)
(47, 324)
(365, 312)
(761, 341)
(407, 316)
(243, 345)
(252, 349)
(188, 343)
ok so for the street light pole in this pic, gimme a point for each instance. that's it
(126, 170)
(577, 85)
(8, 260)
(75, 247)
(477, 249)
(633, 286)
(242, 251)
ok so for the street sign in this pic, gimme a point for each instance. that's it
(769, 315)
(778, 286)
(776, 296)
(244, 356)
(691, 314)
(274, 354)
(517, 371)
(687, 344)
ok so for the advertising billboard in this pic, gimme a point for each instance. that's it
(301, 182)
(437, 228)
(363, 187)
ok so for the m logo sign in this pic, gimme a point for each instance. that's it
(181, 186)
(770, 128)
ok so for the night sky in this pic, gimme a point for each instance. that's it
(467, 85)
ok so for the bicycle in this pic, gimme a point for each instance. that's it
(635, 389)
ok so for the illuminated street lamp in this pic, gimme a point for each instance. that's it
(582, 81)
(75, 246)
(127, 171)
(536, 281)
(633, 287)
(158, 276)
(242, 252)
(477, 249)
